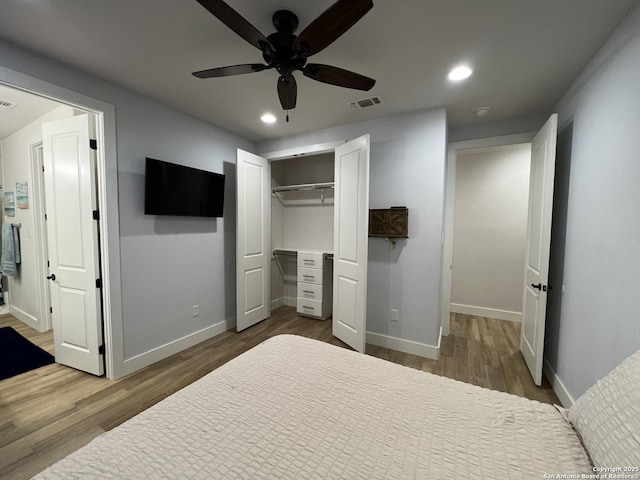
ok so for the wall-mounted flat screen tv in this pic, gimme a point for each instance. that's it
(172, 189)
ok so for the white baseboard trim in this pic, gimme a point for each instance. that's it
(406, 346)
(26, 318)
(561, 391)
(444, 330)
(487, 312)
(288, 301)
(145, 359)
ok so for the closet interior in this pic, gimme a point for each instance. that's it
(302, 219)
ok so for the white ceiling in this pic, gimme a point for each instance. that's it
(29, 107)
(525, 55)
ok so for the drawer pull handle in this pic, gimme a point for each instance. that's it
(309, 261)
(309, 276)
(310, 292)
(308, 308)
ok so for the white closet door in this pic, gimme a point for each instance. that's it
(536, 275)
(350, 243)
(72, 237)
(253, 239)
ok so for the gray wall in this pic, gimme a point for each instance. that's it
(407, 168)
(599, 323)
(492, 128)
(168, 263)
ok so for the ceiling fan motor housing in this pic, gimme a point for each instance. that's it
(284, 59)
(285, 21)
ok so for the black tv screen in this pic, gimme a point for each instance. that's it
(172, 189)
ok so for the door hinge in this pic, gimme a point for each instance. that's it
(98, 283)
(93, 144)
(43, 168)
(45, 216)
(96, 215)
(101, 349)
(48, 265)
(50, 309)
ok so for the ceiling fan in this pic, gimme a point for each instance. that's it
(287, 52)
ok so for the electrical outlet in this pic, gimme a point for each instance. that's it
(196, 310)
(394, 315)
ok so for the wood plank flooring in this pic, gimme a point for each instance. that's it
(47, 413)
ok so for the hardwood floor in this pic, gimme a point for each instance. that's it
(47, 413)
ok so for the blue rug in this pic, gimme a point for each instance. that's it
(19, 355)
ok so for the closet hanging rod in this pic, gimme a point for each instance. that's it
(304, 187)
(19, 225)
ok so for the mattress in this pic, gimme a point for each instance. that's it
(295, 408)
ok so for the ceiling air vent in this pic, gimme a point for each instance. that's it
(4, 104)
(366, 102)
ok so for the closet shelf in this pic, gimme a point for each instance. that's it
(304, 187)
(328, 254)
(317, 188)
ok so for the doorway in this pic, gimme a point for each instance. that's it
(56, 216)
(535, 286)
(470, 147)
(106, 180)
(348, 248)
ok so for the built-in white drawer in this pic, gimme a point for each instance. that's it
(310, 275)
(310, 259)
(310, 307)
(310, 291)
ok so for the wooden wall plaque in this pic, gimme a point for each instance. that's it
(389, 222)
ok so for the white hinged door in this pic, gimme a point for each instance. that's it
(536, 274)
(253, 239)
(350, 242)
(72, 236)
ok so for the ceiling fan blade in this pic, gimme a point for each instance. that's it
(231, 70)
(330, 25)
(237, 23)
(287, 91)
(338, 76)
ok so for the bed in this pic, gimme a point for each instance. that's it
(295, 408)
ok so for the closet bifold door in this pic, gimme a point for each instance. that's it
(253, 239)
(350, 242)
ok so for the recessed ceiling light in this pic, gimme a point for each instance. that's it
(268, 118)
(482, 111)
(460, 73)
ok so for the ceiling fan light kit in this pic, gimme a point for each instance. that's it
(288, 53)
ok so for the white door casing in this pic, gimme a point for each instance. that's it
(253, 239)
(534, 298)
(351, 221)
(72, 237)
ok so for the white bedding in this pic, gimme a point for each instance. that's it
(294, 408)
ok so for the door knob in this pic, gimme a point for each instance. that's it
(537, 286)
(52, 276)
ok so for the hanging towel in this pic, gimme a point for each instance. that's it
(8, 261)
(16, 243)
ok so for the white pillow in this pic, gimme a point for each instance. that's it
(607, 417)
